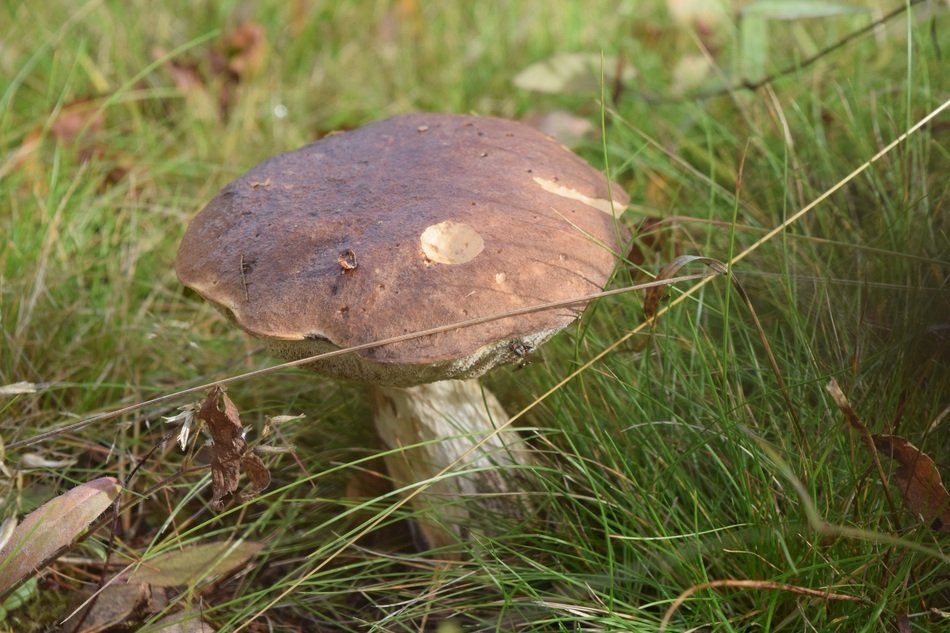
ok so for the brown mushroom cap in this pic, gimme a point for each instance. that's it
(403, 225)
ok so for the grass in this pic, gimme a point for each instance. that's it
(672, 462)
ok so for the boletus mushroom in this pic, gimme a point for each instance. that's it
(399, 226)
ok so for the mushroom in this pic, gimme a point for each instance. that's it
(399, 226)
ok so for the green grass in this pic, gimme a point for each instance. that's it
(671, 462)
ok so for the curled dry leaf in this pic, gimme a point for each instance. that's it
(229, 450)
(651, 299)
(918, 480)
(52, 527)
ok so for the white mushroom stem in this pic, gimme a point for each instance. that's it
(431, 426)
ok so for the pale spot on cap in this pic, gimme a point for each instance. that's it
(451, 243)
(600, 204)
(500, 278)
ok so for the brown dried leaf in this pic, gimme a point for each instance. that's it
(246, 50)
(258, 473)
(115, 605)
(192, 84)
(191, 565)
(74, 125)
(918, 480)
(651, 299)
(229, 450)
(650, 236)
(52, 527)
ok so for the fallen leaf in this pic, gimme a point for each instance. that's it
(246, 50)
(649, 237)
(52, 527)
(191, 565)
(918, 480)
(651, 300)
(258, 473)
(569, 129)
(73, 125)
(117, 604)
(690, 71)
(572, 72)
(229, 450)
(187, 621)
(192, 85)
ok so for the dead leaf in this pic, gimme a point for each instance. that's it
(192, 85)
(690, 71)
(651, 300)
(649, 237)
(229, 450)
(74, 125)
(918, 480)
(52, 527)
(258, 473)
(187, 621)
(191, 565)
(569, 129)
(246, 50)
(117, 604)
(573, 72)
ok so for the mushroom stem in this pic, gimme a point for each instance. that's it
(432, 426)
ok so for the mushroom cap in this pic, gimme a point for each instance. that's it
(403, 225)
